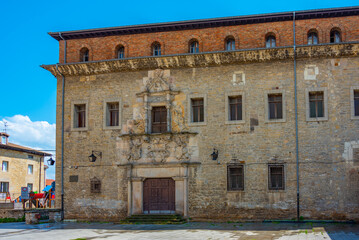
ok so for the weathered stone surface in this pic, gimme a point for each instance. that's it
(327, 176)
(204, 59)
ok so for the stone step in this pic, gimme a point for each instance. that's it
(154, 219)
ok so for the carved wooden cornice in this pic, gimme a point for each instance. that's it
(205, 59)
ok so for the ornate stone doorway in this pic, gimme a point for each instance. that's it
(159, 196)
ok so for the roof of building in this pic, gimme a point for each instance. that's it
(49, 181)
(206, 23)
(19, 148)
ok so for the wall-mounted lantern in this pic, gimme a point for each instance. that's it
(214, 154)
(50, 161)
(94, 155)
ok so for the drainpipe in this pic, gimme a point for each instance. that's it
(62, 129)
(296, 115)
(40, 175)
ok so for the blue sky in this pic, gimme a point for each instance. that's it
(28, 92)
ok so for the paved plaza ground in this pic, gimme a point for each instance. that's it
(193, 230)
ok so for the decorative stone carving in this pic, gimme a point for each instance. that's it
(160, 148)
(157, 81)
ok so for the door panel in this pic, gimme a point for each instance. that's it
(158, 195)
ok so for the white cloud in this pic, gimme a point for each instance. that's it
(38, 135)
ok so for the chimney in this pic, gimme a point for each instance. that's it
(4, 138)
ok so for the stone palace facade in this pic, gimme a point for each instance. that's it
(215, 119)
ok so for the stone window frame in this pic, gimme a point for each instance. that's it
(352, 110)
(77, 102)
(325, 96)
(266, 106)
(271, 164)
(244, 176)
(106, 115)
(189, 107)
(234, 94)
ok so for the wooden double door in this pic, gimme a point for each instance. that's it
(159, 195)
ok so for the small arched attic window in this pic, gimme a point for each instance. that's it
(313, 37)
(335, 36)
(120, 52)
(84, 55)
(156, 49)
(270, 40)
(230, 43)
(194, 46)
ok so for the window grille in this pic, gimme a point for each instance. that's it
(95, 185)
(235, 178)
(276, 177)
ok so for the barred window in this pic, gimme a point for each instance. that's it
(235, 178)
(275, 106)
(316, 104)
(197, 110)
(95, 185)
(276, 177)
(235, 108)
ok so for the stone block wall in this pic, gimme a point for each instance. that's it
(327, 180)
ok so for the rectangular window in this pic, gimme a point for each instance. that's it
(30, 169)
(113, 114)
(275, 106)
(4, 186)
(235, 178)
(316, 104)
(80, 116)
(356, 102)
(5, 166)
(197, 110)
(159, 119)
(235, 108)
(30, 187)
(276, 177)
(30, 156)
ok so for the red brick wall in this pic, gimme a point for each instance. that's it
(211, 39)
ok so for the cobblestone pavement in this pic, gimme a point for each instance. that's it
(193, 230)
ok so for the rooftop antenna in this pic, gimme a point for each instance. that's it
(5, 126)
